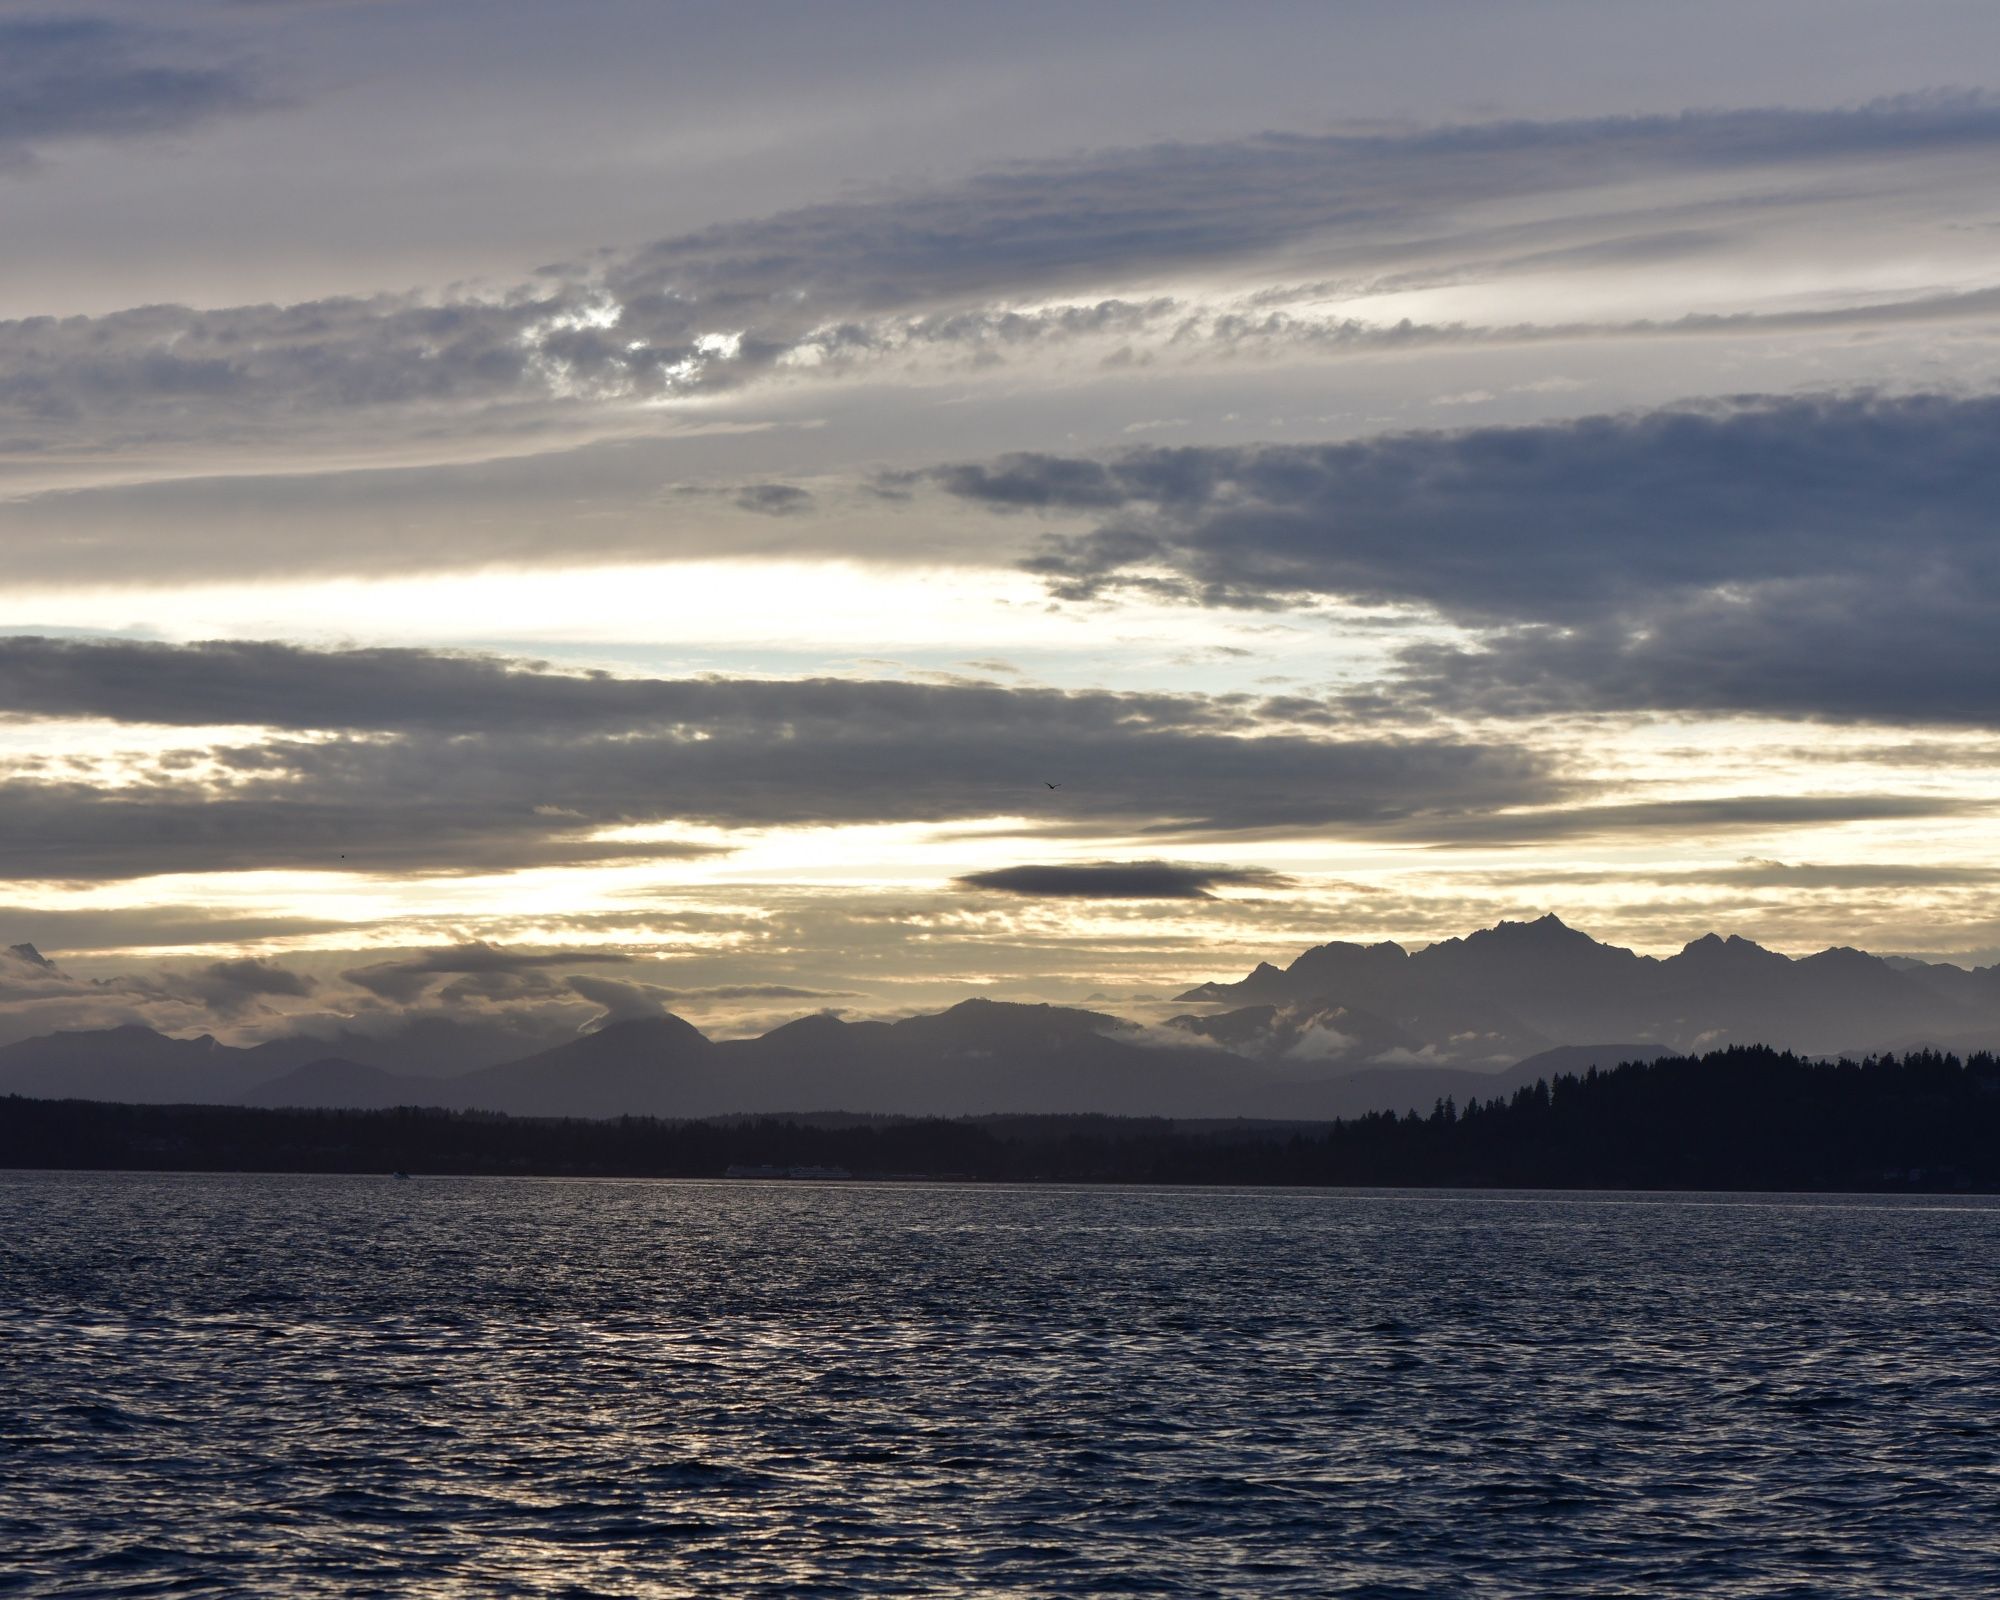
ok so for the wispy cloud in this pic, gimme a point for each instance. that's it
(1098, 251)
(404, 980)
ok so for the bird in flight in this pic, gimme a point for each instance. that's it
(1052, 785)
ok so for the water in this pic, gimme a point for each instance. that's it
(347, 1386)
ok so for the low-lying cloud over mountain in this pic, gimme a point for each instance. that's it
(493, 970)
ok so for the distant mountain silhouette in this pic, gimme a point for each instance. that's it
(988, 1056)
(648, 1066)
(1345, 1029)
(1524, 986)
(979, 1056)
(139, 1065)
(130, 1063)
(426, 1045)
(350, 1085)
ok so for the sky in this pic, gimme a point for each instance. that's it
(573, 510)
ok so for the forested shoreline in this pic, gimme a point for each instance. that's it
(1743, 1118)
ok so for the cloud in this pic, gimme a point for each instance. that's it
(773, 499)
(249, 682)
(1870, 638)
(252, 975)
(1762, 873)
(65, 78)
(1122, 880)
(751, 991)
(498, 802)
(403, 981)
(622, 1002)
(255, 683)
(1321, 1042)
(1048, 226)
(37, 995)
(78, 832)
(228, 988)
(178, 491)
(1048, 255)
(89, 929)
(23, 964)
(1549, 523)
(1813, 557)
(1845, 875)
(237, 683)
(1754, 813)
(508, 993)
(448, 763)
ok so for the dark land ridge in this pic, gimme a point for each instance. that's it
(1745, 1118)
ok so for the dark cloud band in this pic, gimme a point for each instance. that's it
(1551, 523)
(1121, 880)
(448, 763)
(1828, 557)
(96, 78)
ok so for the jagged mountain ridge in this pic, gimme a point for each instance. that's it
(1522, 982)
(1344, 1028)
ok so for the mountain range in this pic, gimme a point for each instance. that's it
(1520, 987)
(1345, 1028)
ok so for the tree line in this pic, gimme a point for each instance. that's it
(1742, 1118)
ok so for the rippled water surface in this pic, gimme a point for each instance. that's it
(347, 1386)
